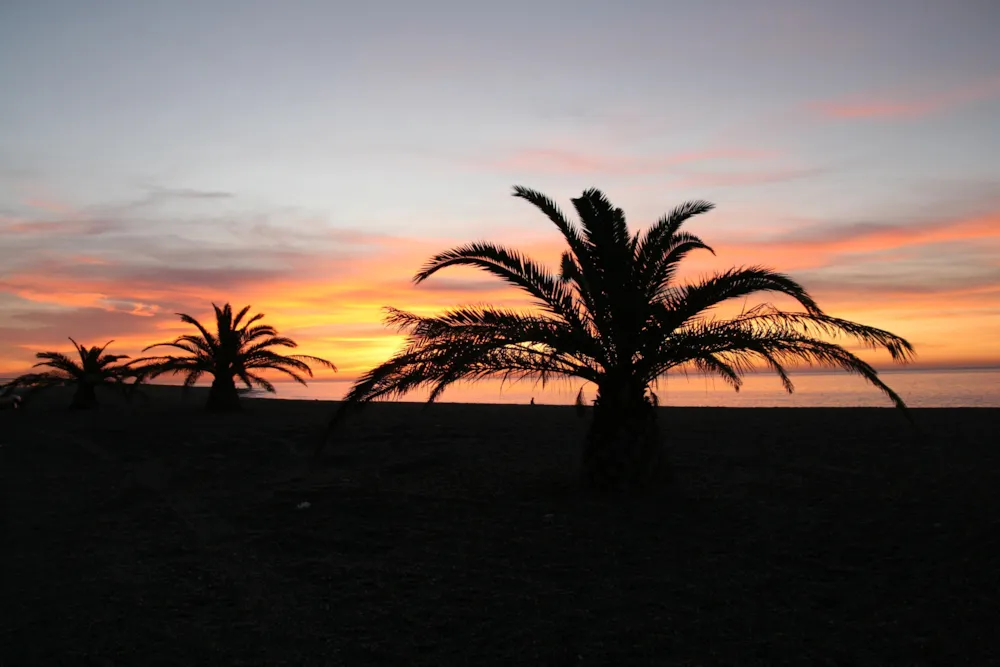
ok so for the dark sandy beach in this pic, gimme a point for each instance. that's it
(156, 534)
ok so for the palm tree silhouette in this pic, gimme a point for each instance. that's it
(236, 350)
(95, 369)
(614, 317)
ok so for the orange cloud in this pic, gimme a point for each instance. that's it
(336, 314)
(913, 107)
(817, 246)
(77, 298)
(331, 300)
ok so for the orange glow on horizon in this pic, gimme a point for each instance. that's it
(339, 316)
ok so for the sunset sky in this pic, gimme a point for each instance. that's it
(307, 157)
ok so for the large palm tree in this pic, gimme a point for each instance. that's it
(95, 369)
(615, 317)
(238, 349)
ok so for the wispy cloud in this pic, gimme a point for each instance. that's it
(50, 217)
(824, 240)
(914, 106)
(157, 195)
(706, 179)
(712, 167)
(188, 193)
(327, 285)
(560, 161)
(306, 274)
(24, 226)
(50, 206)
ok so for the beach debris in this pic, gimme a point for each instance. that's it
(304, 505)
(12, 402)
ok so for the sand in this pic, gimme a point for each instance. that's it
(156, 534)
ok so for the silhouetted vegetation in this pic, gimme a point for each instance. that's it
(95, 369)
(237, 350)
(615, 316)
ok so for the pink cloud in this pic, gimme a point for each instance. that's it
(53, 218)
(912, 107)
(28, 227)
(50, 206)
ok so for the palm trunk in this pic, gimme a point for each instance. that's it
(623, 450)
(222, 397)
(85, 397)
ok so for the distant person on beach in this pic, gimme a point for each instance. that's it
(532, 401)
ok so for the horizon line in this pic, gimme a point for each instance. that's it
(993, 366)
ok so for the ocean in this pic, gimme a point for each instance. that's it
(920, 388)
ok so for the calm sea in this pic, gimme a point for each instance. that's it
(979, 388)
(919, 388)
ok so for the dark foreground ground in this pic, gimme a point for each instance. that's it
(159, 535)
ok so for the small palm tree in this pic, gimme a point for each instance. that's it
(95, 369)
(237, 349)
(615, 317)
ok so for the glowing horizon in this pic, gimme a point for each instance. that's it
(313, 180)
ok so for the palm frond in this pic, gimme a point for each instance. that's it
(95, 352)
(111, 358)
(656, 272)
(440, 352)
(261, 383)
(46, 379)
(691, 301)
(579, 405)
(239, 316)
(308, 358)
(737, 345)
(605, 280)
(192, 377)
(244, 377)
(184, 344)
(80, 350)
(267, 359)
(497, 328)
(667, 226)
(268, 332)
(59, 361)
(510, 266)
(210, 339)
(569, 231)
(873, 338)
(194, 345)
(604, 226)
(291, 374)
(711, 364)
